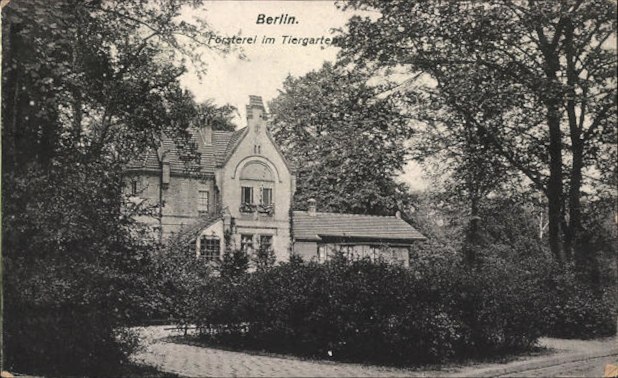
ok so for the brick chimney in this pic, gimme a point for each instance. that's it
(312, 207)
(206, 132)
(256, 114)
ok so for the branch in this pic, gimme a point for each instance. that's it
(598, 119)
(534, 176)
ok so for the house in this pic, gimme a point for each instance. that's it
(319, 235)
(240, 192)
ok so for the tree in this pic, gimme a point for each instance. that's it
(536, 79)
(220, 118)
(87, 86)
(475, 173)
(348, 143)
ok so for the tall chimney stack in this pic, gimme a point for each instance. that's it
(206, 132)
(256, 113)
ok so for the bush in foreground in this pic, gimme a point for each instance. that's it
(575, 310)
(373, 312)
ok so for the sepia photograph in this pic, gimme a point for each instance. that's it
(309, 188)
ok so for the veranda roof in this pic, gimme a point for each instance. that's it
(332, 225)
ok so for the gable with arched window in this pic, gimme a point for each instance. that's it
(257, 189)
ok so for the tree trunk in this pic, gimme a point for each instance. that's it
(574, 227)
(583, 253)
(554, 184)
(584, 250)
(575, 223)
(471, 241)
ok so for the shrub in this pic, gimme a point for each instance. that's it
(263, 258)
(173, 282)
(574, 310)
(75, 341)
(67, 320)
(234, 264)
(364, 311)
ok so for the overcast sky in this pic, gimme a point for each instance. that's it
(231, 79)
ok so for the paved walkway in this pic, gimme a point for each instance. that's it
(587, 368)
(564, 352)
(193, 361)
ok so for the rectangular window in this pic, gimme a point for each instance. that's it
(246, 194)
(246, 242)
(134, 188)
(374, 253)
(350, 251)
(321, 253)
(202, 201)
(398, 256)
(210, 248)
(266, 242)
(166, 174)
(267, 196)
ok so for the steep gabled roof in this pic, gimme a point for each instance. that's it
(211, 155)
(291, 166)
(225, 142)
(325, 225)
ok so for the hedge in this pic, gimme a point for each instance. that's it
(373, 312)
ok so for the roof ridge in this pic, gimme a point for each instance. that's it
(223, 132)
(241, 129)
(350, 214)
(233, 143)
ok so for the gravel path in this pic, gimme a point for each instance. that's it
(588, 368)
(193, 361)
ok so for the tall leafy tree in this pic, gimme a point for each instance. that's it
(87, 86)
(445, 139)
(219, 117)
(348, 143)
(537, 80)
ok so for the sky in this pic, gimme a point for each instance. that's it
(230, 79)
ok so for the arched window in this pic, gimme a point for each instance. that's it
(257, 186)
(256, 171)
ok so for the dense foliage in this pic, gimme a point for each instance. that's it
(347, 143)
(86, 86)
(512, 233)
(577, 310)
(506, 86)
(364, 311)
